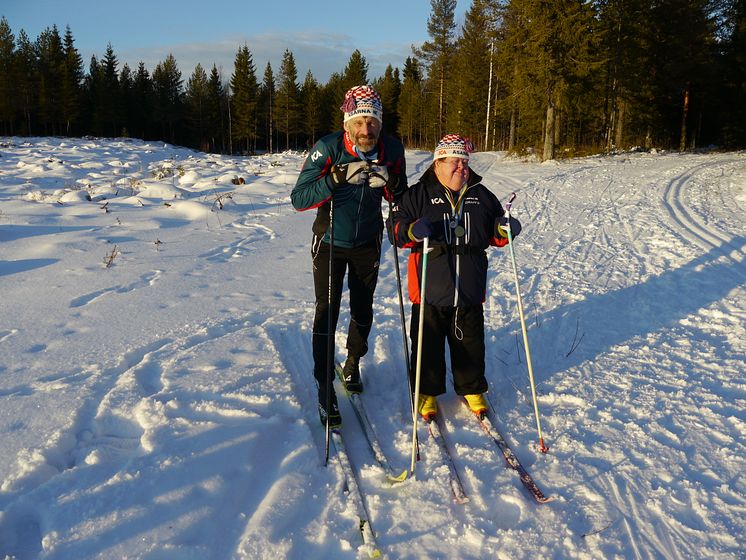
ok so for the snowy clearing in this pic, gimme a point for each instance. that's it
(156, 396)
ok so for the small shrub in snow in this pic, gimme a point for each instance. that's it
(167, 170)
(109, 258)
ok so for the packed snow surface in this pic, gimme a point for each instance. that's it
(156, 396)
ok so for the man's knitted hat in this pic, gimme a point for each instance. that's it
(362, 101)
(453, 145)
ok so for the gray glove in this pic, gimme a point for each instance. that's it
(379, 176)
(355, 173)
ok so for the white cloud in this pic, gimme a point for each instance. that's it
(322, 53)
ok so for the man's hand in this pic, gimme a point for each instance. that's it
(378, 175)
(355, 173)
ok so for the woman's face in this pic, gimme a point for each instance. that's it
(453, 172)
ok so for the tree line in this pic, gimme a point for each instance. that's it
(557, 78)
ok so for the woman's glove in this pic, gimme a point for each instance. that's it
(502, 226)
(420, 229)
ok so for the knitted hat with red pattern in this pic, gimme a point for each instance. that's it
(453, 145)
(362, 101)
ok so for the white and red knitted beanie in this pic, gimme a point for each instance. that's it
(362, 101)
(453, 145)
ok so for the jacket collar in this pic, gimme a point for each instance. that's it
(350, 147)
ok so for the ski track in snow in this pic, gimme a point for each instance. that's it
(196, 435)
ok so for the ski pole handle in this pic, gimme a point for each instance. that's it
(509, 204)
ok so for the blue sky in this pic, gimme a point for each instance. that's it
(321, 34)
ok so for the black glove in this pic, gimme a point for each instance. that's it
(420, 229)
(392, 189)
(502, 226)
(355, 173)
(339, 174)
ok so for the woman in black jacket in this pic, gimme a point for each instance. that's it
(461, 218)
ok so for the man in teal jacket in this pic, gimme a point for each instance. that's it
(345, 177)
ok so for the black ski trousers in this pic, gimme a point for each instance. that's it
(361, 266)
(463, 329)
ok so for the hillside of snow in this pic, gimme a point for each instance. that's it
(157, 402)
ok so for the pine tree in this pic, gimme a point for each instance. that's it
(409, 107)
(288, 114)
(547, 48)
(126, 96)
(438, 53)
(72, 81)
(141, 112)
(468, 93)
(684, 65)
(51, 63)
(355, 74)
(196, 100)
(267, 104)
(245, 89)
(356, 71)
(27, 75)
(7, 78)
(167, 89)
(389, 87)
(332, 96)
(91, 86)
(216, 103)
(310, 94)
(733, 111)
(108, 100)
(628, 84)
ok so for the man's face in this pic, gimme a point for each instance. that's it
(364, 132)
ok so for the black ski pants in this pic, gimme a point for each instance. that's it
(361, 266)
(463, 329)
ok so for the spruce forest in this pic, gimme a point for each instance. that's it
(555, 78)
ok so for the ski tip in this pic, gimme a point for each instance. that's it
(393, 479)
(369, 550)
(544, 499)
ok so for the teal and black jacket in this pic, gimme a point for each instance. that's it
(357, 208)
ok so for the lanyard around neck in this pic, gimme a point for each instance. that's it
(369, 158)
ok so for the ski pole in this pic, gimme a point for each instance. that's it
(425, 250)
(401, 315)
(329, 335)
(543, 448)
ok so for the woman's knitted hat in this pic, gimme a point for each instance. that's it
(453, 145)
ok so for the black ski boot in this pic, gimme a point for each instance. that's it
(335, 418)
(351, 375)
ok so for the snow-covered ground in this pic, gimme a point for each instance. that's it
(156, 398)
